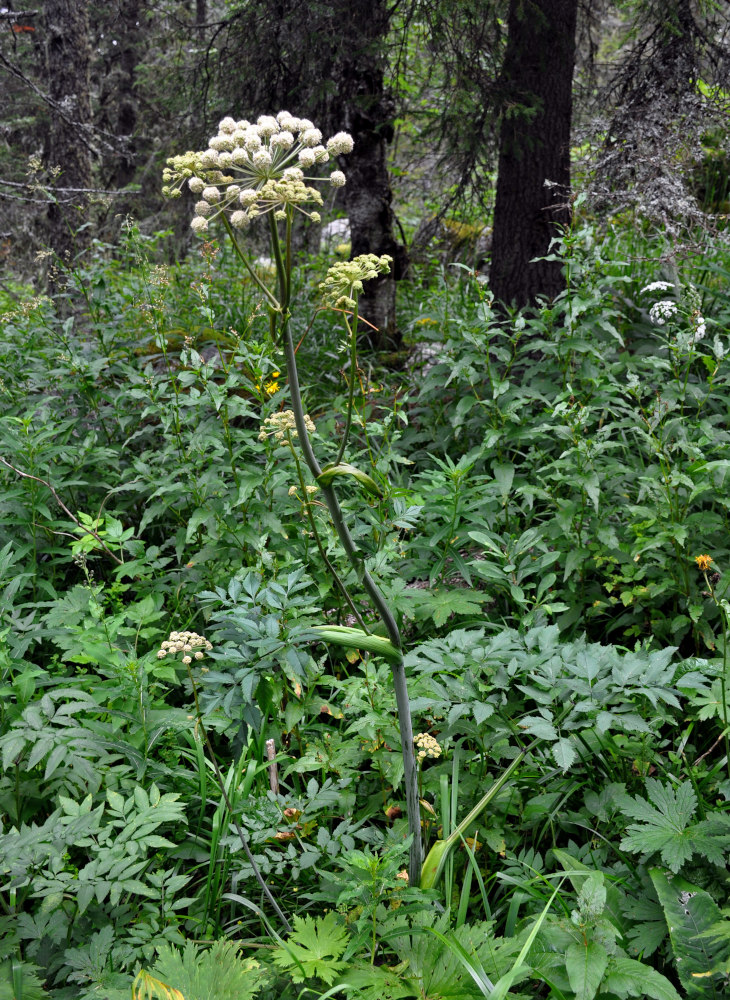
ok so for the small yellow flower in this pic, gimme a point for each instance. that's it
(272, 387)
(703, 562)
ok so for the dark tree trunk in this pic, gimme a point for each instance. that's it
(67, 57)
(369, 114)
(328, 60)
(533, 181)
(127, 102)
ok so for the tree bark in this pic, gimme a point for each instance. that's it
(127, 100)
(369, 114)
(67, 59)
(533, 180)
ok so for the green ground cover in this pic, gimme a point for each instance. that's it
(543, 503)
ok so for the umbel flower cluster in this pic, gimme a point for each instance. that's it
(666, 309)
(190, 644)
(344, 279)
(427, 746)
(250, 168)
(282, 424)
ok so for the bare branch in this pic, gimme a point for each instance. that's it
(82, 130)
(65, 190)
(64, 508)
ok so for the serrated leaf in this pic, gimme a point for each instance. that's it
(313, 949)
(628, 978)
(665, 825)
(537, 726)
(585, 965)
(564, 753)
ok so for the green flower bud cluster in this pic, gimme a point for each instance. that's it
(344, 279)
(283, 424)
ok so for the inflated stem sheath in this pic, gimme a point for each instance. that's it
(356, 638)
(435, 863)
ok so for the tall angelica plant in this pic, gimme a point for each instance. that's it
(255, 169)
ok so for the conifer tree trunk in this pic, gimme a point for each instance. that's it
(127, 102)
(369, 117)
(533, 181)
(67, 59)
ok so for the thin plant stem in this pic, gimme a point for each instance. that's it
(242, 257)
(722, 607)
(318, 541)
(353, 375)
(229, 806)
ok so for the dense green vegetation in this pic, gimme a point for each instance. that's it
(541, 499)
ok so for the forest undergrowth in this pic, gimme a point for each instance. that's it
(204, 793)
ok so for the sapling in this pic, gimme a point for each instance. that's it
(263, 168)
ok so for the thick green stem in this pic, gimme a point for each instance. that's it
(357, 563)
(386, 615)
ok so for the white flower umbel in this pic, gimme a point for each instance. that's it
(251, 169)
(661, 311)
(657, 286)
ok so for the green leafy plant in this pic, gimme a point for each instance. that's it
(314, 949)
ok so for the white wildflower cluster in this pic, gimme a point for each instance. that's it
(251, 168)
(283, 424)
(661, 311)
(190, 644)
(344, 279)
(688, 307)
(657, 286)
(700, 327)
(427, 746)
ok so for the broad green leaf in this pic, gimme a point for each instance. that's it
(665, 826)
(628, 978)
(585, 965)
(689, 912)
(313, 949)
(504, 475)
(564, 753)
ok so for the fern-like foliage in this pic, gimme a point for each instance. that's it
(193, 974)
